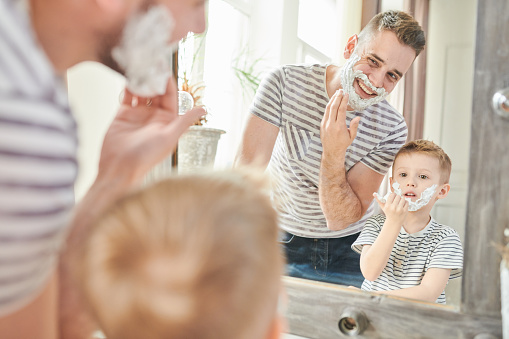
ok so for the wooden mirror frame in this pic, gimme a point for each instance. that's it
(315, 309)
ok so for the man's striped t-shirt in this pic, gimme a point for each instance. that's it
(294, 98)
(436, 246)
(37, 161)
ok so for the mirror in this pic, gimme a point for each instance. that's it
(286, 31)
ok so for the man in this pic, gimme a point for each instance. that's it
(39, 40)
(330, 138)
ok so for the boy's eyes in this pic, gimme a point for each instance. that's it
(421, 176)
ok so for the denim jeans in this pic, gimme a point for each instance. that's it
(329, 260)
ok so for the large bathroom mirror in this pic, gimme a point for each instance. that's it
(464, 66)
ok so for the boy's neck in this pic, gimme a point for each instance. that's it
(416, 221)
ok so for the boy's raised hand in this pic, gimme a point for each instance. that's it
(395, 208)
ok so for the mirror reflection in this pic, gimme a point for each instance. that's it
(260, 36)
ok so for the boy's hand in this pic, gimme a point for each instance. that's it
(395, 208)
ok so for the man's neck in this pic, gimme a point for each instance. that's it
(333, 81)
(57, 28)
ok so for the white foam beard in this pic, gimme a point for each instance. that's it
(145, 50)
(348, 76)
(413, 206)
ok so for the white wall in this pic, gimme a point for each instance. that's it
(94, 93)
(448, 106)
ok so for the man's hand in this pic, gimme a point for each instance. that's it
(335, 135)
(143, 133)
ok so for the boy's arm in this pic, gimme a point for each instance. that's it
(430, 288)
(375, 257)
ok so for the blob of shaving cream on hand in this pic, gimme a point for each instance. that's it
(145, 50)
(412, 205)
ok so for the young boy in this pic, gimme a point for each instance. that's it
(189, 257)
(406, 252)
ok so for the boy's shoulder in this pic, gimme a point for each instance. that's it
(441, 231)
(376, 220)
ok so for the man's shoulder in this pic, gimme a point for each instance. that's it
(308, 70)
(386, 112)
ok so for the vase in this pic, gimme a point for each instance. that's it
(197, 148)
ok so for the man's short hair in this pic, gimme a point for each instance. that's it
(431, 149)
(407, 29)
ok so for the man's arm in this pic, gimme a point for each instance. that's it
(430, 288)
(344, 197)
(257, 143)
(38, 319)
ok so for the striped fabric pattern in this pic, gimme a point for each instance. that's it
(38, 164)
(294, 98)
(436, 246)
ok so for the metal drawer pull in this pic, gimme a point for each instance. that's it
(501, 103)
(352, 322)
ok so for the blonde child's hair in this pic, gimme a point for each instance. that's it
(189, 257)
(431, 149)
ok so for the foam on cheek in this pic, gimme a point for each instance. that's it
(348, 76)
(144, 52)
(413, 206)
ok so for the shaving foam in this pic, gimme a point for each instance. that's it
(413, 206)
(145, 51)
(348, 76)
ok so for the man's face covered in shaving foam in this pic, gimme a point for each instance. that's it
(144, 46)
(374, 68)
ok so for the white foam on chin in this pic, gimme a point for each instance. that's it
(348, 76)
(413, 206)
(145, 51)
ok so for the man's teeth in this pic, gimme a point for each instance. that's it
(364, 88)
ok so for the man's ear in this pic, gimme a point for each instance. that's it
(444, 191)
(350, 46)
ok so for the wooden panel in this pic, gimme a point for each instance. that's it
(488, 202)
(370, 8)
(415, 77)
(315, 308)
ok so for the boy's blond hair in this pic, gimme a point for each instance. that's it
(189, 257)
(431, 149)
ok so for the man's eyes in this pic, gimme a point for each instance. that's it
(373, 61)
